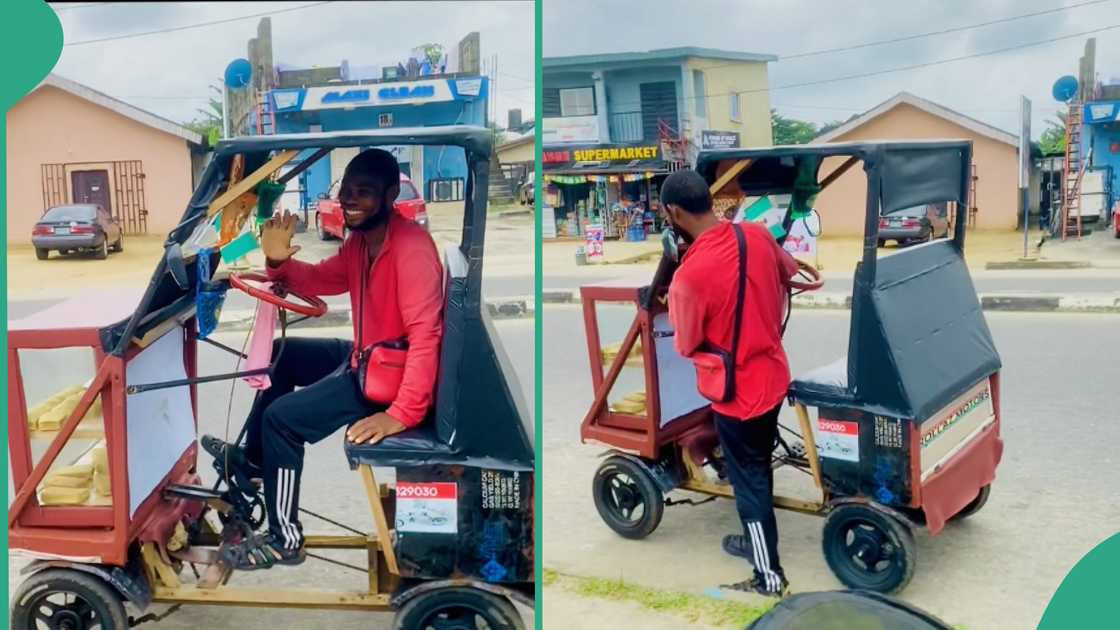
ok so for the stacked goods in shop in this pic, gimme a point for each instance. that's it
(611, 351)
(633, 404)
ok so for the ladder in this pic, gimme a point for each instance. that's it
(266, 117)
(1072, 173)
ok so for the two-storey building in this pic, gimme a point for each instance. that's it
(615, 124)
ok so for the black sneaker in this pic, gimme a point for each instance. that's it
(261, 552)
(238, 463)
(760, 587)
(739, 546)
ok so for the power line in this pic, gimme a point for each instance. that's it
(916, 66)
(198, 25)
(958, 29)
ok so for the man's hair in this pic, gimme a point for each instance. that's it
(687, 189)
(377, 163)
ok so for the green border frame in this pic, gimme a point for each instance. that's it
(538, 319)
(31, 38)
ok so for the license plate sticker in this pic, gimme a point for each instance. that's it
(428, 507)
(838, 439)
(62, 231)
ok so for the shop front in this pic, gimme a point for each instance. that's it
(614, 188)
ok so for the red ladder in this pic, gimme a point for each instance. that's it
(1072, 173)
(266, 118)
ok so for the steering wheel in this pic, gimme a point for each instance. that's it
(811, 278)
(249, 283)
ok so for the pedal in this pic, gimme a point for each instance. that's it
(192, 493)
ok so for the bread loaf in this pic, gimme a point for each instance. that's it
(100, 460)
(63, 496)
(101, 484)
(62, 481)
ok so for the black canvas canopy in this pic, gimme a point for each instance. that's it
(918, 336)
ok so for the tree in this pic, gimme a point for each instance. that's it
(790, 130)
(1053, 139)
(209, 124)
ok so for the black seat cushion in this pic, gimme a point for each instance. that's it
(823, 384)
(411, 447)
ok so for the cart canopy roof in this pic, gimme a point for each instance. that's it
(912, 172)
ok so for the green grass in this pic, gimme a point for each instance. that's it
(691, 607)
(498, 208)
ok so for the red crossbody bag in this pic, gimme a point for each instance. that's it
(380, 366)
(715, 367)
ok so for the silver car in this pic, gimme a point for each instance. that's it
(916, 224)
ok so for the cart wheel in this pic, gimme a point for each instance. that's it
(627, 498)
(867, 549)
(67, 599)
(974, 507)
(458, 608)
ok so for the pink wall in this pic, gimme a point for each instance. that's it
(53, 126)
(842, 204)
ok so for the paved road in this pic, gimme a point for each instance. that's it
(1019, 282)
(329, 487)
(1054, 498)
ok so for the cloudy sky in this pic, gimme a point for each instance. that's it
(986, 87)
(169, 73)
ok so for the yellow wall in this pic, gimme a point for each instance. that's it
(521, 153)
(52, 126)
(841, 205)
(722, 77)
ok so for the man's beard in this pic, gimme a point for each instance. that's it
(683, 234)
(373, 221)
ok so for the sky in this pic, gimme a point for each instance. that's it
(987, 88)
(169, 74)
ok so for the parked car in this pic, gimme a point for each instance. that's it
(916, 224)
(526, 195)
(77, 227)
(328, 216)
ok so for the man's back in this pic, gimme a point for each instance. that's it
(702, 306)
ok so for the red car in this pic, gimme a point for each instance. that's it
(328, 216)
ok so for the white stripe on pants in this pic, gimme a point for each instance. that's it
(762, 557)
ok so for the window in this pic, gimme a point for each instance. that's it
(700, 93)
(408, 193)
(70, 213)
(736, 113)
(575, 101)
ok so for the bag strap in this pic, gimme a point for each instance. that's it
(741, 241)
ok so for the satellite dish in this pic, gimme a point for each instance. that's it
(238, 73)
(1064, 88)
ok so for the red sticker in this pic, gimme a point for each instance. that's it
(838, 426)
(436, 490)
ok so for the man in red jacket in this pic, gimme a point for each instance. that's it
(702, 299)
(390, 268)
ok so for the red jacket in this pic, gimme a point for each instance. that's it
(404, 298)
(702, 308)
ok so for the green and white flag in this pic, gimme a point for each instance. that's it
(764, 211)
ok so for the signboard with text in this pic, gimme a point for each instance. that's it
(571, 129)
(639, 157)
(711, 139)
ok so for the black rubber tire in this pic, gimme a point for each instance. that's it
(877, 532)
(119, 245)
(634, 488)
(882, 242)
(975, 505)
(102, 252)
(101, 599)
(323, 235)
(460, 604)
(42, 254)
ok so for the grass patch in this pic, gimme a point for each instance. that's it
(498, 208)
(693, 608)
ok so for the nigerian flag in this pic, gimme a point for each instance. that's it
(766, 212)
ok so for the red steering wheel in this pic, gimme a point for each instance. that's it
(248, 282)
(811, 278)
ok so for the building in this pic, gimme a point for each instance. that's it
(68, 143)
(1100, 139)
(614, 124)
(995, 155)
(409, 92)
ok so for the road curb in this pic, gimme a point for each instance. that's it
(991, 302)
(499, 308)
(1037, 264)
